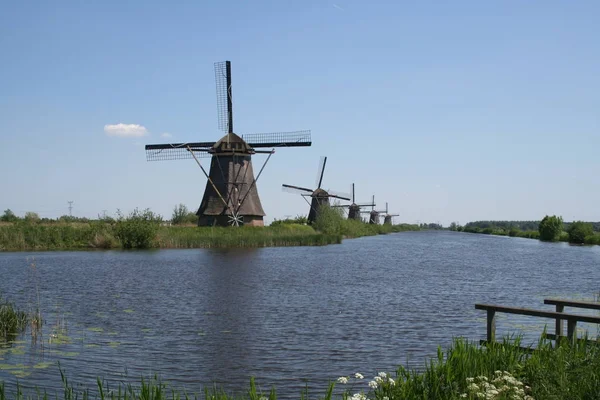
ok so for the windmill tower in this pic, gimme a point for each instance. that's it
(354, 209)
(319, 196)
(387, 218)
(374, 214)
(230, 196)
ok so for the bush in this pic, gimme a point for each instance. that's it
(550, 228)
(579, 230)
(513, 232)
(138, 230)
(8, 216)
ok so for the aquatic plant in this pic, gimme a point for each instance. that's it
(12, 320)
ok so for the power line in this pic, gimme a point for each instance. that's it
(70, 208)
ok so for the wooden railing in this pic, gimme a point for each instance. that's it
(559, 316)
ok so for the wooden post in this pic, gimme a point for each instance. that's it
(558, 331)
(572, 330)
(491, 325)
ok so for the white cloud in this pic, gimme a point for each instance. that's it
(125, 130)
(166, 135)
(338, 7)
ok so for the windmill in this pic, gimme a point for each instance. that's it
(354, 209)
(319, 196)
(374, 214)
(231, 196)
(387, 218)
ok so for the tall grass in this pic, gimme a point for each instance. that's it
(142, 229)
(12, 320)
(246, 236)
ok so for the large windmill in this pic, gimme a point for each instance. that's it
(354, 209)
(230, 196)
(319, 196)
(387, 218)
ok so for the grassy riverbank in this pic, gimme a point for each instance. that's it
(140, 233)
(465, 371)
(555, 230)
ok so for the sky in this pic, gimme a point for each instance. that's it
(448, 111)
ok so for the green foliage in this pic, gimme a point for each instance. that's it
(454, 226)
(244, 236)
(579, 230)
(329, 220)
(138, 230)
(550, 228)
(31, 217)
(12, 320)
(300, 220)
(8, 216)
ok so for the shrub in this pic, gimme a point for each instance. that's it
(579, 230)
(550, 228)
(138, 230)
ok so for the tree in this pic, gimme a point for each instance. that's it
(31, 216)
(8, 216)
(550, 228)
(579, 230)
(180, 213)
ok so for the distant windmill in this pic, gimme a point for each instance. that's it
(354, 209)
(374, 214)
(230, 196)
(387, 218)
(319, 196)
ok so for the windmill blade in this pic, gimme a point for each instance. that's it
(278, 139)
(320, 172)
(177, 151)
(339, 194)
(224, 98)
(296, 189)
(339, 197)
(394, 215)
(366, 205)
(339, 205)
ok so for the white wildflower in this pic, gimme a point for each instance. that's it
(343, 380)
(392, 381)
(378, 379)
(373, 385)
(359, 396)
(382, 374)
(358, 375)
(463, 395)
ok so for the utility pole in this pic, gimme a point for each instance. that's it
(70, 208)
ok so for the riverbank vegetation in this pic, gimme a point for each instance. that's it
(145, 229)
(466, 370)
(550, 228)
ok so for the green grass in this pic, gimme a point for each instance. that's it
(246, 236)
(499, 371)
(137, 231)
(12, 320)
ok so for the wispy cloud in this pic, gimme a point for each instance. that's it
(166, 135)
(338, 7)
(125, 130)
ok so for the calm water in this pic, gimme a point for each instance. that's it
(283, 315)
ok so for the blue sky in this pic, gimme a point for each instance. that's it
(449, 111)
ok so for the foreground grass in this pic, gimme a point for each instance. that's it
(466, 370)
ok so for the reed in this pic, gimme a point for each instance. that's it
(12, 320)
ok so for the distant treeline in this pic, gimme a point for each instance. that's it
(521, 225)
(550, 228)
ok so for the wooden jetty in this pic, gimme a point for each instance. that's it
(559, 316)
